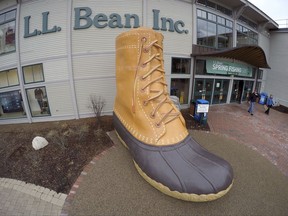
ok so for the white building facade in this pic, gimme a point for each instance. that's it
(55, 54)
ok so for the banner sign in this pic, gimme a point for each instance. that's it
(228, 68)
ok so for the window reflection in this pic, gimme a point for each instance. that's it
(38, 101)
(248, 85)
(181, 66)
(33, 73)
(213, 31)
(180, 88)
(8, 78)
(11, 105)
(246, 36)
(7, 32)
(220, 91)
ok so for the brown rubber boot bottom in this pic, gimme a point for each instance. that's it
(182, 196)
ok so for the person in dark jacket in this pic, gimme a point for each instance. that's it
(269, 104)
(252, 100)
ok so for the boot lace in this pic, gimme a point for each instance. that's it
(161, 96)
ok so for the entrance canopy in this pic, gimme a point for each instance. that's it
(253, 55)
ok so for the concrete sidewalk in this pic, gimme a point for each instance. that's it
(256, 146)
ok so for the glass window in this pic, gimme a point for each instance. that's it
(200, 67)
(203, 89)
(33, 74)
(224, 10)
(220, 91)
(225, 36)
(180, 88)
(2, 18)
(201, 32)
(246, 36)
(214, 31)
(248, 22)
(38, 101)
(248, 85)
(202, 14)
(211, 4)
(206, 33)
(221, 20)
(7, 32)
(202, 2)
(11, 105)
(215, 6)
(10, 15)
(229, 23)
(181, 65)
(212, 17)
(7, 37)
(260, 74)
(258, 86)
(9, 78)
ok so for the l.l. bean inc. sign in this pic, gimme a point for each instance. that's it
(84, 19)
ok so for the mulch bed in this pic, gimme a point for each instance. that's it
(72, 145)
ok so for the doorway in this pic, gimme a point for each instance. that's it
(203, 89)
(237, 91)
(221, 87)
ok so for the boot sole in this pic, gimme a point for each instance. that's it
(176, 194)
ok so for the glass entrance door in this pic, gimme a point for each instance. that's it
(220, 91)
(248, 85)
(203, 89)
(237, 90)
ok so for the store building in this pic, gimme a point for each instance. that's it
(54, 54)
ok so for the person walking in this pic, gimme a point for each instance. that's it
(269, 104)
(252, 100)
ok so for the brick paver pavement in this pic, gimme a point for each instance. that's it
(267, 134)
(20, 198)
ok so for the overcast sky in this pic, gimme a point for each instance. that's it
(276, 9)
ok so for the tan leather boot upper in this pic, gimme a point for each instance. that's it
(142, 102)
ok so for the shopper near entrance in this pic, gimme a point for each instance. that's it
(39, 97)
(269, 103)
(252, 99)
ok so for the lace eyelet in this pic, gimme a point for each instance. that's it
(146, 50)
(142, 90)
(145, 103)
(144, 65)
(143, 39)
(152, 116)
(158, 125)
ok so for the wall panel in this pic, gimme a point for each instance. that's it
(94, 66)
(105, 88)
(101, 40)
(43, 46)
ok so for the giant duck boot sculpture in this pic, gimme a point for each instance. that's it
(152, 128)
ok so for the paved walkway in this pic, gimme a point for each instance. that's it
(20, 198)
(109, 186)
(266, 134)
